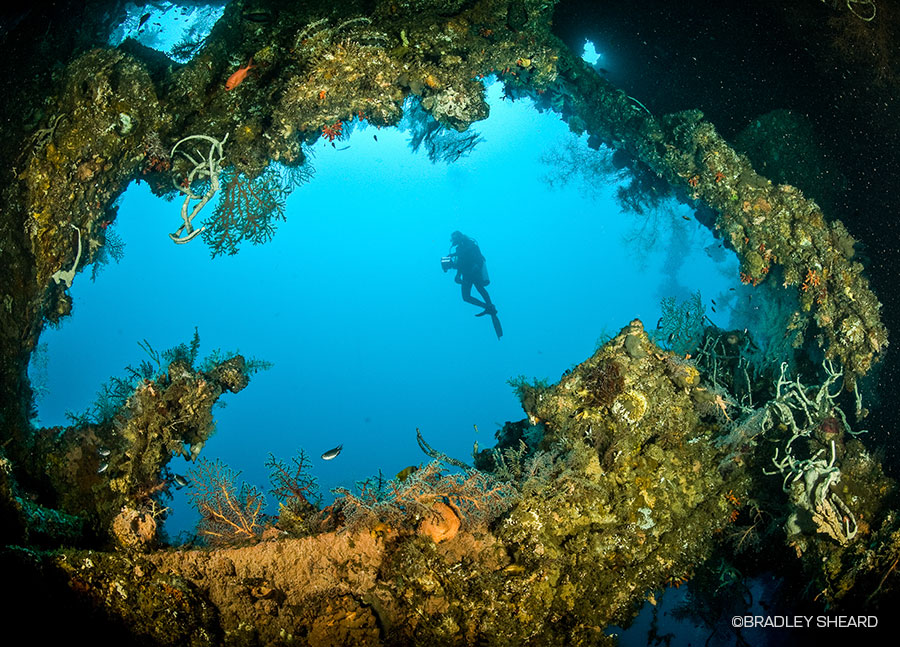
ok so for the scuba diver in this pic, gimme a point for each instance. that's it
(468, 261)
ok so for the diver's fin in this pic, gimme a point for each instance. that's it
(497, 327)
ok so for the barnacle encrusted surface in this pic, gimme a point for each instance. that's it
(615, 497)
(97, 467)
(777, 233)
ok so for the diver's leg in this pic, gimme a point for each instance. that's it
(467, 295)
(489, 308)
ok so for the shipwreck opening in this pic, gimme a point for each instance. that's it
(369, 340)
(664, 468)
(174, 29)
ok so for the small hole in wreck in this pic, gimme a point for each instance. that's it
(369, 339)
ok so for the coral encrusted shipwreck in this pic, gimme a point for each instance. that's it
(640, 469)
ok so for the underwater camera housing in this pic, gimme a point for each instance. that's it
(447, 263)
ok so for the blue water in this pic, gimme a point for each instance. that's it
(368, 337)
(163, 25)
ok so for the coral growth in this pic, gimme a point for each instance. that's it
(472, 496)
(681, 326)
(116, 460)
(628, 472)
(297, 491)
(247, 210)
(606, 499)
(442, 524)
(603, 383)
(228, 513)
(767, 225)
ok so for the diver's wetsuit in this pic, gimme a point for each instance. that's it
(471, 270)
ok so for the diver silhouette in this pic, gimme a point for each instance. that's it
(471, 270)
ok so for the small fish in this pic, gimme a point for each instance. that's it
(104, 452)
(180, 481)
(713, 308)
(143, 19)
(514, 569)
(331, 454)
(732, 289)
(238, 77)
(671, 338)
(713, 301)
(406, 472)
(476, 428)
(258, 15)
(102, 468)
(686, 217)
(375, 137)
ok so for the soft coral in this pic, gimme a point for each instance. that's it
(334, 130)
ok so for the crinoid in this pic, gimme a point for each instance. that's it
(603, 383)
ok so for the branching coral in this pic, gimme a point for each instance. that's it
(248, 210)
(811, 481)
(474, 495)
(440, 143)
(205, 172)
(294, 481)
(681, 326)
(228, 513)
